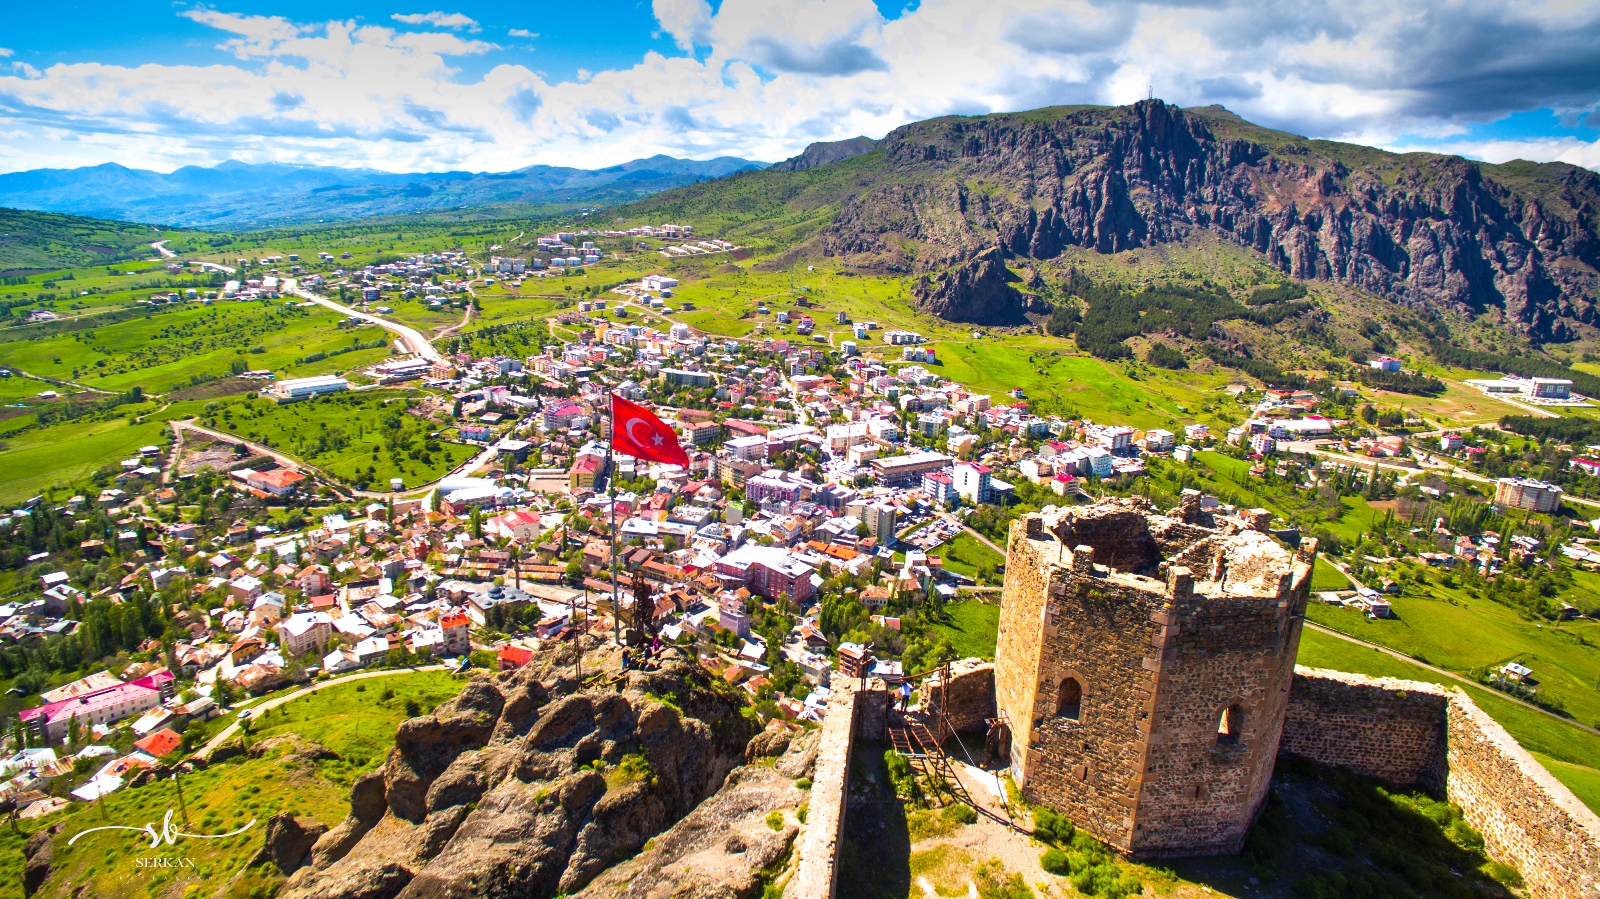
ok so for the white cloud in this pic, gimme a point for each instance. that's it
(438, 20)
(4, 52)
(688, 21)
(522, 32)
(762, 78)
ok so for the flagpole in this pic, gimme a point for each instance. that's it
(611, 488)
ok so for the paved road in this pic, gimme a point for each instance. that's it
(1449, 674)
(1449, 471)
(160, 246)
(227, 732)
(410, 338)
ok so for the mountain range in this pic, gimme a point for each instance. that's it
(954, 201)
(241, 195)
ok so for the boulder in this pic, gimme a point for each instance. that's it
(288, 843)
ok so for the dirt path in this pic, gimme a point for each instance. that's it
(223, 735)
(454, 329)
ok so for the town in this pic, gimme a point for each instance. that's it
(839, 502)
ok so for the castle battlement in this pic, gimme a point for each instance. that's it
(1144, 664)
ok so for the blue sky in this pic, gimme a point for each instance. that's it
(495, 86)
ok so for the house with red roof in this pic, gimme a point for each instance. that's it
(159, 743)
(514, 657)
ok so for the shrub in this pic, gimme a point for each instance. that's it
(1163, 356)
(1052, 827)
(803, 783)
(413, 708)
(995, 882)
(775, 820)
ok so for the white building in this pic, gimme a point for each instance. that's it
(972, 482)
(300, 388)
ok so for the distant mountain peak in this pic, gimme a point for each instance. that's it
(824, 152)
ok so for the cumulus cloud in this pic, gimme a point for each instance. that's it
(762, 78)
(687, 21)
(4, 52)
(522, 32)
(438, 20)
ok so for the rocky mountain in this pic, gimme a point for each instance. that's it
(529, 784)
(235, 194)
(948, 199)
(824, 152)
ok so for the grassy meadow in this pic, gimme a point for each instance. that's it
(363, 438)
(355, 720)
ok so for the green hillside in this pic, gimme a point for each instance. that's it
(46, 241)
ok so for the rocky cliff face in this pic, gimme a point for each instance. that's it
(1518, 240)
(525, 785)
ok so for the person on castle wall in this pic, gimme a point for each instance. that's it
(997, 744)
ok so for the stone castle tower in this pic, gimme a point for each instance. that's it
(1144, 666)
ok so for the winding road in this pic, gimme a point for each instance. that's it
(410, 338)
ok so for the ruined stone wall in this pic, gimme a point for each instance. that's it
(967, 704)
(1528, 819)
(1393, 730)
(1021, 635)
(1408, 732)
(819, 848)
(1097, 631)
(1200, 795)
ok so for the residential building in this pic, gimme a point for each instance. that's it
(767, 571)
(304, 632)
(880, 518)
(972, 482)
(1527, 493)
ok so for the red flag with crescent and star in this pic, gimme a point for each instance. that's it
(636, 431)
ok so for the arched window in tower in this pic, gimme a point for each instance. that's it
(1069, 702)
(1230, 730)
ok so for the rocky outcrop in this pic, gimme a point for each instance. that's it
(978, 291)
(727, 848)
(40, 854)
(526, 785)
(824, 152)
(1518, 241)
(288, 843)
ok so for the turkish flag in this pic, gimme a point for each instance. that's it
(636, 431)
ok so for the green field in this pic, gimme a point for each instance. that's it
(168, 349)
(1327, 577)
(1538, 733)
(356, 723)
(353, 719)
(1453, 630)
(973, 627)
(363, 438)
(36, 460)
(965, 554)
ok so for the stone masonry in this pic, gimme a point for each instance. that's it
(1143, 666)
(964, 705)
(1411, 733)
